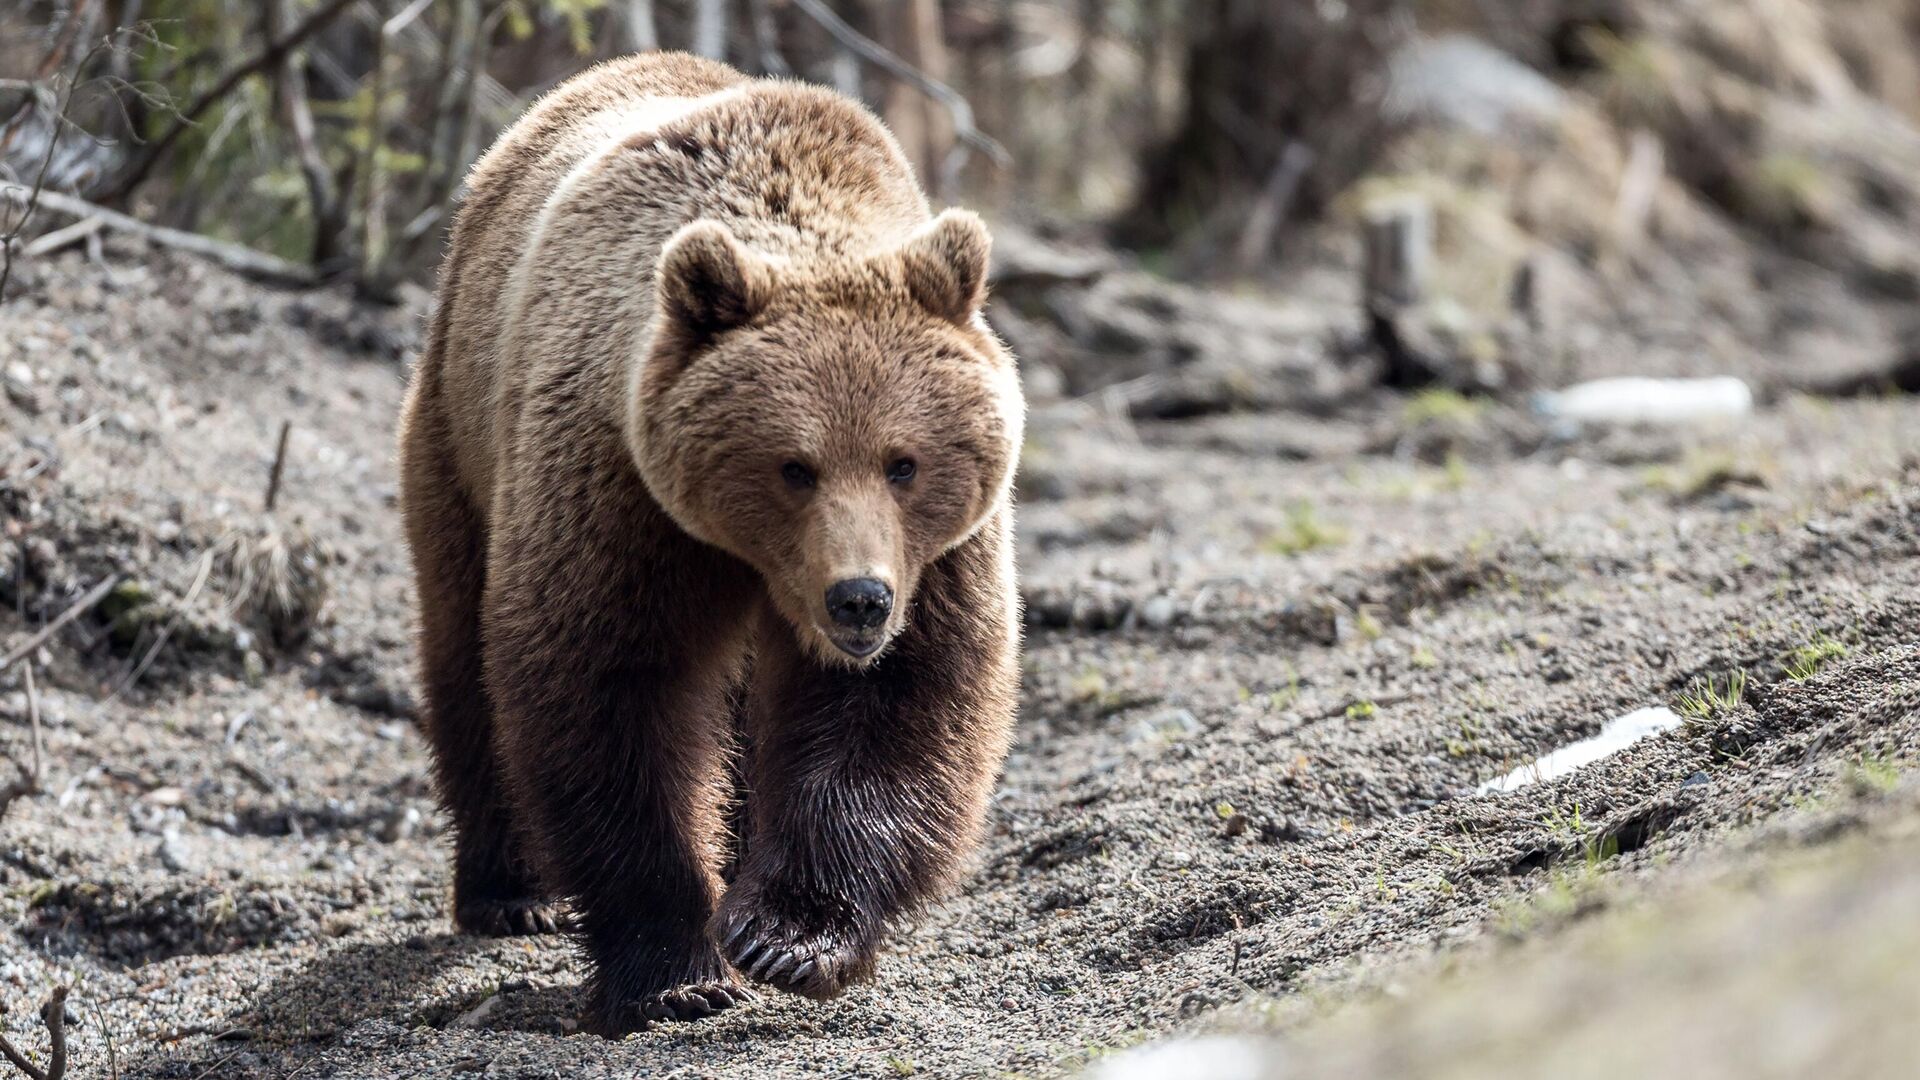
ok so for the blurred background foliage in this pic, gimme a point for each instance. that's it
(1210, 135)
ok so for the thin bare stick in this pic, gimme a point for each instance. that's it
(240, 260)
(54, 1015)
(63, 237)
(373, 194)
(259, 62)
(33, 719)
(160, 640)
(79, 608)
(279, 464)
(1276, 200)
(327, 206)
(56, 127)
(956, 105)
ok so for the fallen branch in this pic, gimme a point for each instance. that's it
(63, 237)
(956, 105)
(275, 51)
(239, 259)
(54, 1015)
(79, 608)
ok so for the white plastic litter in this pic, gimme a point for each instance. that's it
(1642, 400)
(1615, 735)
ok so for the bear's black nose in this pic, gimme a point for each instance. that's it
(860, 603)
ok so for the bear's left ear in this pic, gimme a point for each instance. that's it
(946, 265)
(709, 282)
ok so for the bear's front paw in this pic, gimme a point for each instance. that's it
(790, 956)
(689, 1002)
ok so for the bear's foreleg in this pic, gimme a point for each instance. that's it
(867, 786)
(609, 658)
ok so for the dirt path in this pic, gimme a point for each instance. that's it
(1272, 658)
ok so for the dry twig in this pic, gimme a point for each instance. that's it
(241, 260)
(279, 465)
(956, 105)
(78, 608)
(54, 1015)
(275, 51)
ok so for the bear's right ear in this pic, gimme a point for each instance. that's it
(708, 282)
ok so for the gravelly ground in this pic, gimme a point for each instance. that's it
(1272, 657)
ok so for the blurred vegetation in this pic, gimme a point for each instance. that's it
(1203, 134)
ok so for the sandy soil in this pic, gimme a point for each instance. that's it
(1271, 657)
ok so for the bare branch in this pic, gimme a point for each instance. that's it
(327, 207)
(240, 260)
(261, 61)
(77, 609)
(54, 1015)
(374, 266)
(955, 104)
(63, 237)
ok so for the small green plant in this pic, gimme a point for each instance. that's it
(1805, 661)
(1708, 699)
(1362, 710)
(1563, 823)
(1877, 774)
(1440, 405)
(1286, 696)
(1468, 741)
(1303, 532)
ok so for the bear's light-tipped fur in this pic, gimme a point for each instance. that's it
(702, 354)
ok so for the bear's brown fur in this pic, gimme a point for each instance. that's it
(700, 353)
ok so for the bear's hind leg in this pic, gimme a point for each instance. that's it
(494, 892)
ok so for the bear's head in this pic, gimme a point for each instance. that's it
(837, 426)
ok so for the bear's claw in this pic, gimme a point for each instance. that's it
(815, 965)
(691, 1002)
(519, 917)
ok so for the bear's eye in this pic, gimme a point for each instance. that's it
(798, 476)
(901, 471)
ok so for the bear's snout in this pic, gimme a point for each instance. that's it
(860, 603)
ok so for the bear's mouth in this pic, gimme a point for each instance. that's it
(858, 646)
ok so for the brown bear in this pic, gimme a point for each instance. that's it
(706, 474)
